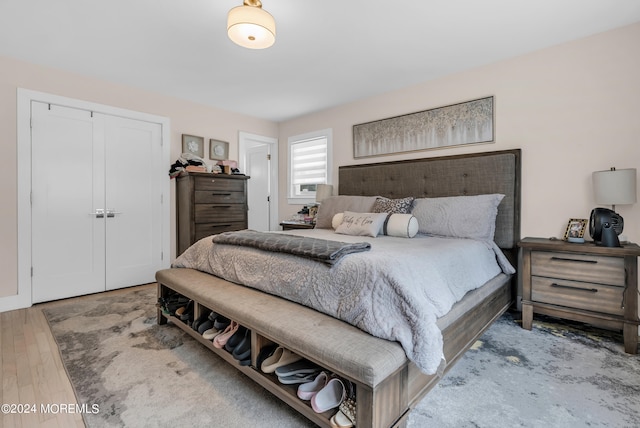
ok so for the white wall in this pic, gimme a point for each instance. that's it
(572, 109)
(186, 118)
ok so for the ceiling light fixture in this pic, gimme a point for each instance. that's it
(250, 26)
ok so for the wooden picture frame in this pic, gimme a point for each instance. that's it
(218, 150)
(193, 145)
(575, 229)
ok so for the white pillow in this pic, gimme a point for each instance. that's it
(339, 204)
(401, 225)
(458, 216)
(337, 220)
(361, 224)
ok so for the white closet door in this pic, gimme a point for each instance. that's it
(133, 200)
(68, 238)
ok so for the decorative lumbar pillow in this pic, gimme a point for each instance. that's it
(337, 220)
(401, 225)
(458, 216)
(361, 224)
(393, 206)
(339, 204)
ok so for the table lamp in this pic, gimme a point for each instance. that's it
(612, 187)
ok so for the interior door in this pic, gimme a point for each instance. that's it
(96, 202)
(133, 203)
(258, 197)
(68, 233)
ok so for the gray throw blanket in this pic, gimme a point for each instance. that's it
(322, 250)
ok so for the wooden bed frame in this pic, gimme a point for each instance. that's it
(389, 402)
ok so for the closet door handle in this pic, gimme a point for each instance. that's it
(99, 213)
(571, 287)
(112, 213)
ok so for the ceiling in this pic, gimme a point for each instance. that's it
(327, 52)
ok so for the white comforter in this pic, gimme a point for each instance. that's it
(396, 291)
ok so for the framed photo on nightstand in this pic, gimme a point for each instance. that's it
(575, 230)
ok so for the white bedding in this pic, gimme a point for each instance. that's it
(395, 291)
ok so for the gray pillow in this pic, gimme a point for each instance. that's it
(393, 206)
(458, 216)
(339, 204)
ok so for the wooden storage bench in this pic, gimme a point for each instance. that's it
(378, 368)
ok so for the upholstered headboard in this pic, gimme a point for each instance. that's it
(469, 174)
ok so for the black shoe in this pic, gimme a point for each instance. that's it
(235, 339)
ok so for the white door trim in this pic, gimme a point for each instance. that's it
(243, 139)
(24, 99)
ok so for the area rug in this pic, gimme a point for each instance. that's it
(139, 374)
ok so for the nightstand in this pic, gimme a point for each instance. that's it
(581, 282)
(291, 225)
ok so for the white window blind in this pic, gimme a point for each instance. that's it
(309, 164)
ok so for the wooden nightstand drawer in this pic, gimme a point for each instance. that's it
(578, 295)
(578, 267)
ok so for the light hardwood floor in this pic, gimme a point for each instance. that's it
(32, 373)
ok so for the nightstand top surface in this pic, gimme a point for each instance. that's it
(546, 244)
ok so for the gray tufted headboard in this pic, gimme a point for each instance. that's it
(468, 174)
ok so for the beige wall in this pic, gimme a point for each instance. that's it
(572, 109)
(186, 117)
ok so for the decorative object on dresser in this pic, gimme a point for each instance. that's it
(581, 282)
(193, 145)
(613, 187)
(208, 204)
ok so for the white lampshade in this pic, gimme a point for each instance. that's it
(323, 191)
(615, 187)
(250, 26)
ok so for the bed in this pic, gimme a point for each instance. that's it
(433, 334)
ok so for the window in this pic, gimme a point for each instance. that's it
(309, 165)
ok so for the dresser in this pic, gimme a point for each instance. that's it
(581, 282)
(207, 204)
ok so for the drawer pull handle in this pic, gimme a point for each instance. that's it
(221, 206)
(220, 194)
(563, 259)
(220, 225)
(590, 290)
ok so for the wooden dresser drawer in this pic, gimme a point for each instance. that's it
(579, 295)
(219, 213)
(214, 183)
(218, 197)
(578, 267)
(206, 229)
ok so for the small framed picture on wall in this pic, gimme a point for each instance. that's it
(218, 150)
(192, 144)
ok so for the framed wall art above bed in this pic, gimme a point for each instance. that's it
(469, 122)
